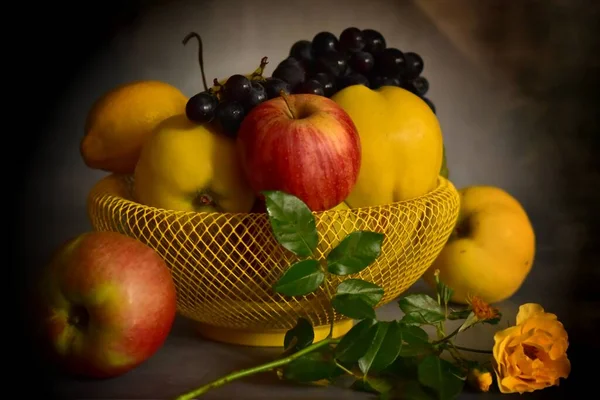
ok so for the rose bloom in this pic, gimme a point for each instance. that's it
(479, 379)
(531, 355)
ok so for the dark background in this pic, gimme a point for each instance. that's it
(515, 84)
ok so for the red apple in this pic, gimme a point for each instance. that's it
(302, 144)
(108, 304)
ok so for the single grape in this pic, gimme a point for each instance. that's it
(230, 115)
(237, 88)
(354, 78)
(257, 96)
(311, 86)
(362, 62)
(301, 50)
(324, 42)
(310, 66)
(289, 61)
(201, 107)
(333, 63)
(274, 86)
(429, 103)
(327, 81)
(352, 40)
(374, 41)
(379, 81)
(390, 62)
(291, 73)
(418, 86)
(413, 65)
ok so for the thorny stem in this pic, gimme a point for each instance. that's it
(454, 352)
(446, 338)
(254, 370)
(346, 370)
(473, 350)
(200, 56)
(330, 308)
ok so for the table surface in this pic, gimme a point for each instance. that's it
(494, 135)
(187, 361)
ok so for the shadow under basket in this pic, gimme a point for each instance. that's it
(225, 264)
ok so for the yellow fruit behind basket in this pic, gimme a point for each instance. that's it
(120, 121)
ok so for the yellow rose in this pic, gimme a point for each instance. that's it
(480, 379)
(531, 355)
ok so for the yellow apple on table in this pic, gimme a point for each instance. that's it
(491, 250)
(185, 166)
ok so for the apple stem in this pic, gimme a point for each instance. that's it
(200, 56)
(254, 370)
(286, 98)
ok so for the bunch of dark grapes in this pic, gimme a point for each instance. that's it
(322, 66)
(230, 102)
(328, 64)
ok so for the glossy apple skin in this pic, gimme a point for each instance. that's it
(123, 289)
(308, 147)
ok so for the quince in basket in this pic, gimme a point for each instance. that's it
(401, 140)
(186, 166)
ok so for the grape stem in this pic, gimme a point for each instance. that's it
(200, 56)
(254, 370)
(261, 68)
(286, 98)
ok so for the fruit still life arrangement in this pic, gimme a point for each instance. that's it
(282, 210)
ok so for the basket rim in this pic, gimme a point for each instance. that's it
(119, 179)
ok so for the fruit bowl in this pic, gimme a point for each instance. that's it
(224, 264)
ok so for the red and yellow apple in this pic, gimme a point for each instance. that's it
(108, 303)
(302, 144)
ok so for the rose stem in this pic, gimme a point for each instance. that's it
(254, 370)
(473, 350)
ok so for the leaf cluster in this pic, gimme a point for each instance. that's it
(394, 359)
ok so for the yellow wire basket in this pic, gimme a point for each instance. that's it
(225, 264)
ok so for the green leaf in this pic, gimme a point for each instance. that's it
(415, 342)
(443, 291)
(494, 321)
(442, 376)
(292, 222)
(301, 278)
(353, 306)
(384, 347)
(402, 367)
(422, 318)
(469, 322)
(373, 384)
(310, 367)
(421, 309)
(356, 342)
(356, 298)
(300, 336)
(412, 390)
(460, 314)
(354, 253)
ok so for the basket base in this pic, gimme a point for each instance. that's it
(268, 338)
